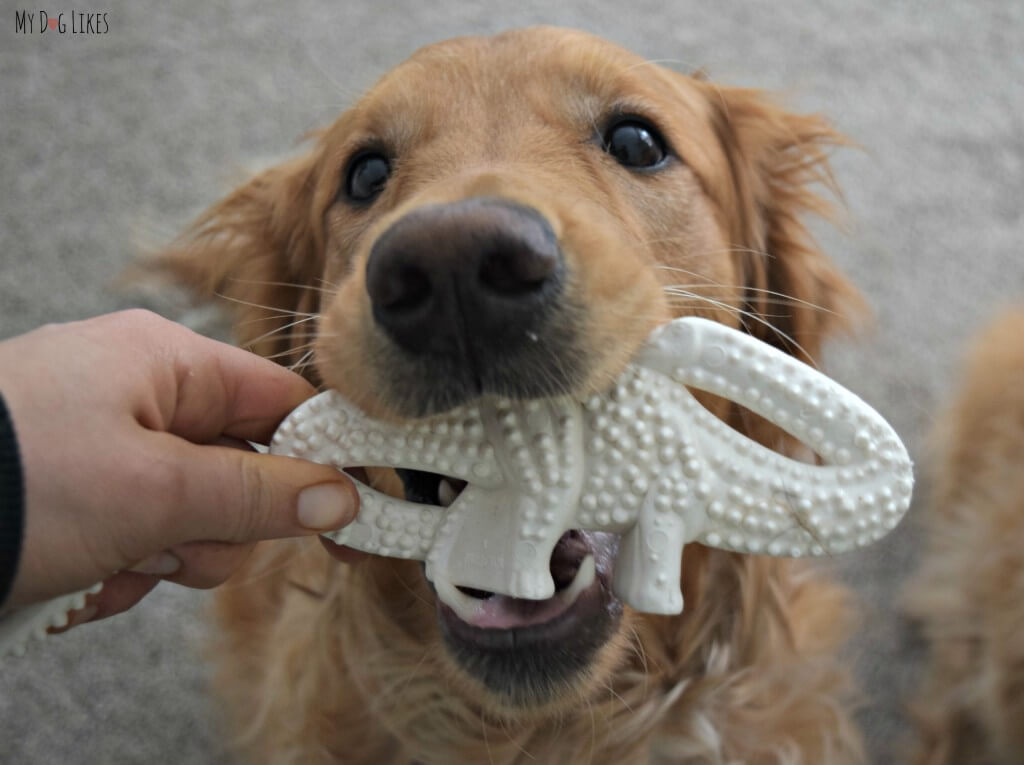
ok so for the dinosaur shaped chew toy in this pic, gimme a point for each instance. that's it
(644, 460)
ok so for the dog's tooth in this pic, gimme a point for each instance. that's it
(465, 607)
(446, 493)
(584, 578)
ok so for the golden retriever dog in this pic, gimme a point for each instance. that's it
(514, 215)
(968, 595)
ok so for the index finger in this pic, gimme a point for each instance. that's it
(224, 390)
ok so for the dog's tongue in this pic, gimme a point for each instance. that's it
(500, 612)
(504, 612)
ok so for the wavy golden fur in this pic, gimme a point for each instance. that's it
(325, 662)
(968, 595)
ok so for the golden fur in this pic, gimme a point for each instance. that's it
(323, 662)
(969, 593)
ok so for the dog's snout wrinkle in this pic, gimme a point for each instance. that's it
(462, 279)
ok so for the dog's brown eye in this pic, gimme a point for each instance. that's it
(634, 144)
(367, 175)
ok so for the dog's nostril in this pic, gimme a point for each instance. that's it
(402, 288)
(514, 270)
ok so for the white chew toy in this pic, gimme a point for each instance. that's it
(645, 460)
(21, 626)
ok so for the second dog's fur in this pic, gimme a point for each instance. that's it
(968, 596)
(641, 194)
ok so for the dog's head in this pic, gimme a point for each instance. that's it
(514, 215)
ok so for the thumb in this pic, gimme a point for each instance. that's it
(230, 495)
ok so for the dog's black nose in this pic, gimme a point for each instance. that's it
(466, 281)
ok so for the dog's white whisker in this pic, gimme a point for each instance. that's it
(284, 328)
(332, 285)
(292, 350)
(614, 694)
(272, 309)
(302, 362)
(310, 335)
(741, 288)
(258, 319)
(780, 298)
(705, 253)
(754, 317)
(487, 741)
(689, 302)
(637, 646)
(593, 729)
(293, 285)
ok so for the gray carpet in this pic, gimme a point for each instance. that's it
(115, 140)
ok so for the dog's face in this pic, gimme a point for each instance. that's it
(499, 211)
(514, 215)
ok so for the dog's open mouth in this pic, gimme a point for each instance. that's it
(523, 649)
(510, 621)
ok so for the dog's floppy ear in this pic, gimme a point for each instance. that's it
(779, 164)
(261, 248)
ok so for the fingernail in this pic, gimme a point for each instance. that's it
(325, 506)
(161, 564)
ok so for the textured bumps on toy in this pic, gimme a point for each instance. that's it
(21, 626)
(645, 460)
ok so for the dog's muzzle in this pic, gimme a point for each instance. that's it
(472, 298)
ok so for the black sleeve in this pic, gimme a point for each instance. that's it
(12, 503)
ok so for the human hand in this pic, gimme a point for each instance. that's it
(132, 434)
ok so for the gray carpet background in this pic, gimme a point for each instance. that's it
(114, 141)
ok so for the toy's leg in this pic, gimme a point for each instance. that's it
(389, 526)
(647, 568)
